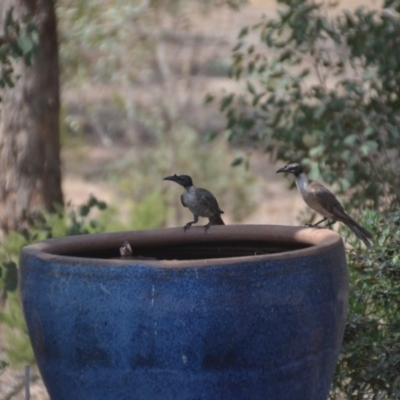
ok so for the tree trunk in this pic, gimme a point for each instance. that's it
(30, 171)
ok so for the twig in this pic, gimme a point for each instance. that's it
(27, 382)
(20, 386)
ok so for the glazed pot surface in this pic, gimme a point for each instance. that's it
(216, 323)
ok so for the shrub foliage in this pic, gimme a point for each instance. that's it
(369, 365)
(320, 86)
(68, 221)
(19, 40)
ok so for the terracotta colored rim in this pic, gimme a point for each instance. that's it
(319, 240)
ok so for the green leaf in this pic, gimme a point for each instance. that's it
(251, 88)
(237, 161)
(243, 32)
(210, 136)
(368, 146)
(84, 210)
(317, 151)
(305, 72)
(208, 99)
(257, 98)
(10, 280)
(226, 102)
(368, 131)
(238, 73)
(237, 46)
(102, 205)
(285, 55)
(350, 140)
(276, 74)
(25, 44)
(251, 67)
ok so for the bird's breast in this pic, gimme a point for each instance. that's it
(196, 204)
(310, 198)
(189, 196)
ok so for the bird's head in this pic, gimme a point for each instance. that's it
(184, 180)
(294, 169)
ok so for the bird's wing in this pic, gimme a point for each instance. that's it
(327, 199)
(208, 199)
(183, 201)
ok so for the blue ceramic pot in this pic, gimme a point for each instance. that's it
(241, 312)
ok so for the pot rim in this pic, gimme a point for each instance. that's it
(319, 240)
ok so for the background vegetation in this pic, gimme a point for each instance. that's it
(149, 79)
(328, 97)
(128, 119)
(316, 85)
(19, 40)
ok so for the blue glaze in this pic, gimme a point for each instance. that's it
(264, 329)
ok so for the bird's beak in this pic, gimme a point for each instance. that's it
(173, 178)
(283, 169)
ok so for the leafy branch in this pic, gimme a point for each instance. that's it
(20, 40)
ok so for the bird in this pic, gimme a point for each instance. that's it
(200, 202)
(322, 200)
(125, 250)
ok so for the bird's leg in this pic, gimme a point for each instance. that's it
(317, 223)
(330, 223)
(189, 224)
(207, 226)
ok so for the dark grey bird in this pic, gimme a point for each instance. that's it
(322, 200)
(200, 202)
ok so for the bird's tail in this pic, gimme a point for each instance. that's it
(216, 220)
(360, 231)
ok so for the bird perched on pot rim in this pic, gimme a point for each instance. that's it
(200, 202)
(320, 199)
